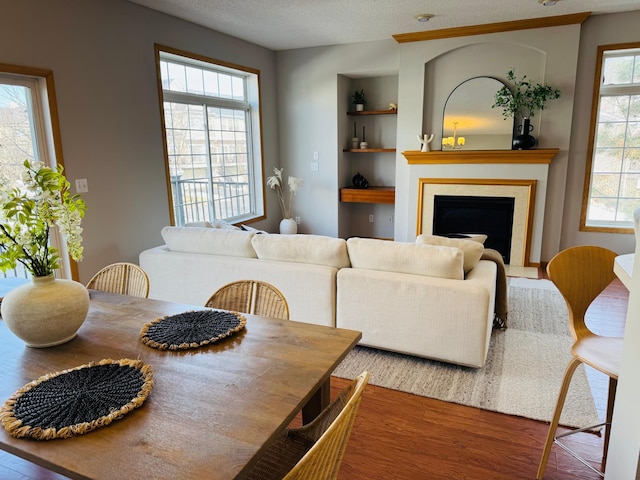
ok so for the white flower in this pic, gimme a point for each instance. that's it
(295, 184)
(275, 182)
(28, 213)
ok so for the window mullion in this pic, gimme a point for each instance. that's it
(207, 137)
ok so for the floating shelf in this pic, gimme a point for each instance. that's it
(368, 150)
(375, 112)
(368, 195)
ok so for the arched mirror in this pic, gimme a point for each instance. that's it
(469, 122)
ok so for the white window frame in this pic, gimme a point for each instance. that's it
(601, 91)
(47, 141)
(251, 107)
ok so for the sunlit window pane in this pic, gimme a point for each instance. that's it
(601, 209)
(607, 160)
(605, 185)
(618, 70)
(208, 143)
(225, 86)
(614, 109)
(194, 80)
(611, 134)
(177, 80)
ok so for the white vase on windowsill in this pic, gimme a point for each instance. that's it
(288, 226)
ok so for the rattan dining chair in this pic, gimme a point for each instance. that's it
(122, 278)
(314, 451)
(581, 273)
(251, 296)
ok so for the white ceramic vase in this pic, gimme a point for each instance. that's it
(46, 312)
(288, 226)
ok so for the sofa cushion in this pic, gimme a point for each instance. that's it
(315, 249)
(414, 258)
(213, 241)
(203, 224)
(472, 249)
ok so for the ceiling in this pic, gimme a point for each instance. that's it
(288, 24)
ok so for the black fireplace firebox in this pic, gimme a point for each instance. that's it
(492, 216)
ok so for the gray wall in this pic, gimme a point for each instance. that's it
(102, 55)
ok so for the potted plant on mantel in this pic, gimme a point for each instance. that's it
(359, 100)
(47, 311)
(521, 102)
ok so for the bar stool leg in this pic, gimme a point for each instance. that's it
(553, 426)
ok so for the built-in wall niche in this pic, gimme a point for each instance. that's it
(442, 74)
(367, 212)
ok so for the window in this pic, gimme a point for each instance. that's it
(212, 131)
(28, 131)
(612, 182)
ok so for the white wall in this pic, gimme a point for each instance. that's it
(101, 53)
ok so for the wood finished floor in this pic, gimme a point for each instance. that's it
(403, 436)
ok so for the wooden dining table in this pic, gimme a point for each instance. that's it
(212, 410)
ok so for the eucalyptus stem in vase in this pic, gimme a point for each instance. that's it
(521, 101)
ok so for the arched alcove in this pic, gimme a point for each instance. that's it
(493, 59)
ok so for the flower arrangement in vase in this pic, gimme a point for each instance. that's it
(521, 102)
(275, 182)
(27, 214)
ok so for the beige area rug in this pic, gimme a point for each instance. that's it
(522, 374)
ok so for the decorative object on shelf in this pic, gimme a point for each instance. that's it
(355, 141)
(47, 311)
(288, 226)
(393, 106)
(454, 142)
(425, 141)
(524, 140)
(521, 101)
(275, 182)
(359, 100)
(359, 181)
(363, 144)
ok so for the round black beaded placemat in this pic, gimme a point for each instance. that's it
(191, 329)
(78, 400)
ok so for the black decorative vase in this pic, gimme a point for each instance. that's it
(359, 181)
(524, 141)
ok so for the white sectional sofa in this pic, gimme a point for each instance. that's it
(434, 298)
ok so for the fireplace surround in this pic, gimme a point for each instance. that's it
(521, 174)
(521, 191)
